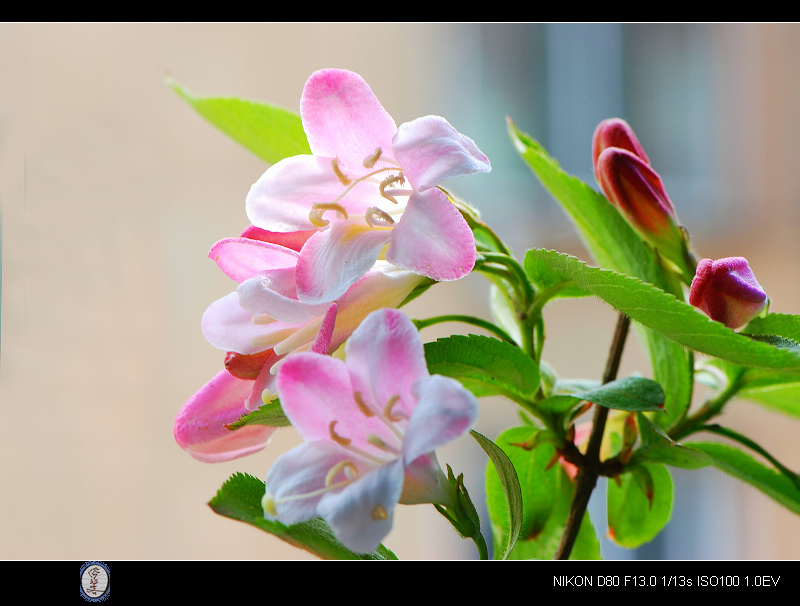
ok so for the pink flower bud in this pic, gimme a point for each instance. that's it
(615, 132)
(637, 191)
(727, 291)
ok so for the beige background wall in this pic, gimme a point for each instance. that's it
(112, 192)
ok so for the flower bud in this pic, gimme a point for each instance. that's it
(727, 291)
(638, 193)
(615, 132)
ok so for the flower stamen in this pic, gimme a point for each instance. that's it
(319, 209)
(376, 217)
(336, 437)
(370, 160)
(337, 170)
(345, 465)
(362, 405)
(391, 180)
(390, 414)
(379, 513)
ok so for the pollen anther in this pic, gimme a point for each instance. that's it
(391, 180)
(362, 406)
(337, 170)
(376, 217)
(370, 160)
(319, 208)
(390, 414)
(379, 513)
(350, 471)
(336, 437)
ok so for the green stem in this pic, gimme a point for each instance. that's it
(480, 322)
(709, 409)
(589, 471)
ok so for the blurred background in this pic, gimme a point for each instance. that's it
(113, 190)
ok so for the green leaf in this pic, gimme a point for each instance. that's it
(545, 279)
(614, 245)
(664, 313)
(658, 447)
(512, 514)
(271, 133)
(239, 498)
(776, 391)
(640, 506)
(485, 366)
(784, 325)
(631, 394)
(741, 465)
(270, 415)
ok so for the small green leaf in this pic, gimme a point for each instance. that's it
(270, 415)
(484, 365)
(675, 319)
(658, 447)
(511, 492)
(632, 394)
(271, 133)
(776, 391)
(741, 465)
(785, 325)
(640, 506)
(239, 498)
(545, 279)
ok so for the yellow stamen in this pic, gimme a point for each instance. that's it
(343, 179)
(269, 505)
(350, 471)
(376, 217)
(390, 414)
(370, 161)
(391, 180)
(379, 513)
(336, 437)
(362, 405)
(379, 442)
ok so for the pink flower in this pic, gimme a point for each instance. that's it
(371, 425)
(261, 323)
(727, 291)
(368, 186)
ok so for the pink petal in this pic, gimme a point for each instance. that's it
(445, 411)
(334, 259)
(343, 118)
(430, 150)
(385, 357)
(200, 425)
(293, 239)
(284, 195)
(322, 342)
(317, 396)
(432, 238)
(243, 258)
(274, 293)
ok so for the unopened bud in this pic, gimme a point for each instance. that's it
(638, 193)
(615, 132)
(727, 291)
(244, 366)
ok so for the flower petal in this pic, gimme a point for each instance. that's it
(274, 293)
(228, 326)
(333, 260)
(385, 357)
(243, 258)
(343, 118)
(295, 481)
(361, 514)
(200, 425)
(430, 150)
(444, 412)
(291, 239)
(432, 238)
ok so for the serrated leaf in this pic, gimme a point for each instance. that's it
(544, 278)
(239, 498)
(270, 132)
(741, 465)
(640, 506)
(784, 325)
(511, 491)
(776, 391)
(664, 313)
(270, 415)
(632, 394)
(484, 365)
(614, 245)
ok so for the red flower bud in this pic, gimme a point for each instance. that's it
(615, 132)
(727, 291)
(636, 190)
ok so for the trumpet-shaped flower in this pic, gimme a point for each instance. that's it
(261, 323)
(371, 425)
(368, 187)
(727, 291)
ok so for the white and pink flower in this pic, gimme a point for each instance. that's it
(368, 190)
(371, 424)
